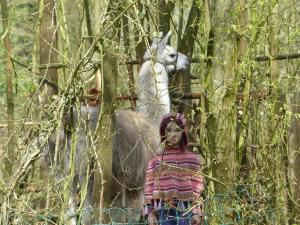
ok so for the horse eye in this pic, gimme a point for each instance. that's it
(172, 55)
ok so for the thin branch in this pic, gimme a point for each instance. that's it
(277, 57)
(256, 58)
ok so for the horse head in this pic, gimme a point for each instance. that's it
(165, 54)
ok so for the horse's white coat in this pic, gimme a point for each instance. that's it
(138, 138)
(161, 60)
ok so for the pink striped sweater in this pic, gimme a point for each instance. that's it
(173, 174)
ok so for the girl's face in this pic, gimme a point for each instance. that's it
(173, 134)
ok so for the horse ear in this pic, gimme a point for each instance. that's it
(155, 43)
(157, 40)
(158, 44)
(166, 39)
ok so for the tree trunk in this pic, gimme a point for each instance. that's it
(225, 166)
(128, 56)
(48, 49)
(10, 157)
(48, 76)
(10, 152)
(186, 45)
(70, 34)
(243, 141)
(103, 174)
(294, 154)
(277, 127)
(108, 71)
(208, 124)
(164, 15)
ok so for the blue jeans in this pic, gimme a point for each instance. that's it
(174, 217)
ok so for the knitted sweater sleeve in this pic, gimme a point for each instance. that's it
(198, 185)
(149, 182)
(197, 179)
(148, 189)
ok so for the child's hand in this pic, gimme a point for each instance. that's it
(152, 218)
(196, 220)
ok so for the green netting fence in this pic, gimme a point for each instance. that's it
(238, 207)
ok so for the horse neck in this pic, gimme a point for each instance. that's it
(153, 94)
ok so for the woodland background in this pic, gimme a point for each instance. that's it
(242, 100)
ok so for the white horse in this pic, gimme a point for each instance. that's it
(136, 140)
(137, 133)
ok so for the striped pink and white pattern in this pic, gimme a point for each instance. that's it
(173, 174)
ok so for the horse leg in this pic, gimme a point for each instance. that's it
(135, 205)
(117, 212)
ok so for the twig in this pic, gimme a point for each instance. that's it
(26, 124)
(277, 57)
(261, 58)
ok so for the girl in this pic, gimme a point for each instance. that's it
(173, 180)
